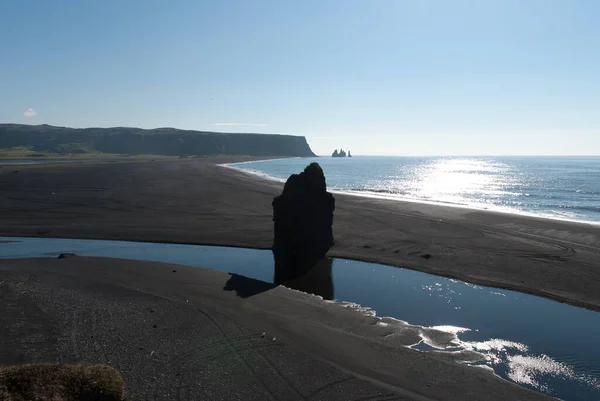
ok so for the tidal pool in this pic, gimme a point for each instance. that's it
(538, 343)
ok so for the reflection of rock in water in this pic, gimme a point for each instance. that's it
(303, 217)
(317, 280)
(246, 287)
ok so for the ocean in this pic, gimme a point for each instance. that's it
(565, 188)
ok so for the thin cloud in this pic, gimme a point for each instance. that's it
(239, 125)
(324, 137)
(30, 113)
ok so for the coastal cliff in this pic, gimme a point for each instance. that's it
(47, 139)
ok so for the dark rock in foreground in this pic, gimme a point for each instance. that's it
(303, 216)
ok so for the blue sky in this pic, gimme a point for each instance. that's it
(405, 77)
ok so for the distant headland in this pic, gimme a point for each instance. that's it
(48, 140)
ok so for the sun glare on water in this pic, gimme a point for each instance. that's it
(458, 180)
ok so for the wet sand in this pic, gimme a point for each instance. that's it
(181, 333)
(201, 203)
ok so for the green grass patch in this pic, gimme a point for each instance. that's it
(26, 153)
(20, 152)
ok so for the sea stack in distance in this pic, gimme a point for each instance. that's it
(303, 219)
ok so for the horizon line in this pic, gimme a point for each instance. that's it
(466, 155)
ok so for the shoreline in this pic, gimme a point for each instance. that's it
(400, 198)
(5, 239)
(200, 202)
(435, 336)
(191, 329)
(483, 283)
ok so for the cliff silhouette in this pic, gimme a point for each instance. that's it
(159, 141)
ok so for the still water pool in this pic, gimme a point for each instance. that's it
(538, 343)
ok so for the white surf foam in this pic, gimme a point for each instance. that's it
(397, 197)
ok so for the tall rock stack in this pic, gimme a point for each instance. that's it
(303, 217)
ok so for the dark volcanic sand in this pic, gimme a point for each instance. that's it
(181, 336)
(199, 202)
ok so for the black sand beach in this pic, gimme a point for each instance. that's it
(200, 203)
(180, 335)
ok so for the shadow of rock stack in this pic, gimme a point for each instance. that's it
(318, 280)
(303, 217)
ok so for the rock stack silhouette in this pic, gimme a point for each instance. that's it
(303, 219)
